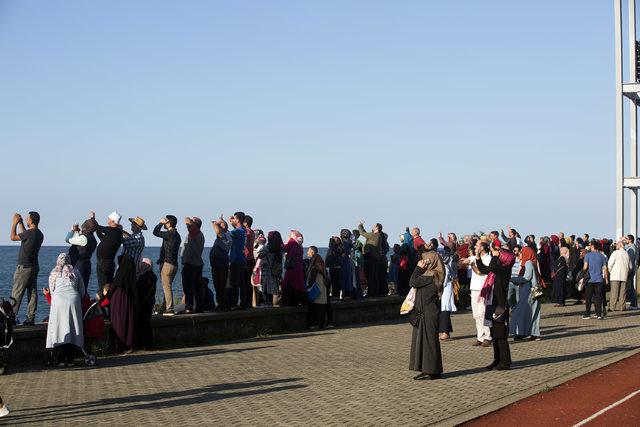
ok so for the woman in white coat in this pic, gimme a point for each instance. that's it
(64, 331)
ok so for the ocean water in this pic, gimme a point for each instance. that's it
(47, 260)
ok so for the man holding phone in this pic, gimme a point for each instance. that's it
(26, 274)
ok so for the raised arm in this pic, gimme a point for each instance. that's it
(157, 231)
(76, 239)
(17, 220)
(364, 233)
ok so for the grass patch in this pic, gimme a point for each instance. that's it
(546, 389)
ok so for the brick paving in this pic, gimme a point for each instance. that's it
(352, 375)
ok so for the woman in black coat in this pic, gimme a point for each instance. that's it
(559, 275)
(499, 271)
(426, 356)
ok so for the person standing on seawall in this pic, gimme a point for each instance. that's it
(168, 261)
(110, 240)
(25, 277)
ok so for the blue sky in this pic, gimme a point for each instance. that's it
(457, 116)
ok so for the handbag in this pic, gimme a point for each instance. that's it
(409, 302)
(313, 292)
(536, 292)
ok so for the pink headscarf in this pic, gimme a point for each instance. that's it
(62, 269)
(297, 236)
(506, 259)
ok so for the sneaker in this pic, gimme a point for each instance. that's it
(169, 313)
(4, 411)
(61, 365)
(632, 307)
(600, 318)
(585, 317)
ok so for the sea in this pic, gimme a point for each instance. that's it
(47, 260)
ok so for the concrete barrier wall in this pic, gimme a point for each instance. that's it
(207, 328)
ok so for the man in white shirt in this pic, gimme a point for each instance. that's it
(619, 267)
(478, 304)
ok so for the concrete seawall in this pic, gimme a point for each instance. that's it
(206, 328)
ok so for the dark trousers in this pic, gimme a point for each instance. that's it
(237, 284)
(334, 277)
(445, 323)
(593, 295)
(248, 287)
(220, 274)
(382, 273)
(84, 267)
(105, 269)
(370, 273)
(317, 315)
(191, 276)
(501, 353)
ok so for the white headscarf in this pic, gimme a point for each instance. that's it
(62, 269)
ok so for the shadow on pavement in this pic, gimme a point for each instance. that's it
(160, 400)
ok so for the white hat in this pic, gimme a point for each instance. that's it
(115, 217)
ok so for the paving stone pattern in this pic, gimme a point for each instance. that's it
(342, 376)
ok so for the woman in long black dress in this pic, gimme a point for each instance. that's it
(146, 283)
(559, 274)
(498, 276)
(427, 279)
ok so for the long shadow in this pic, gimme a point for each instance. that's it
(588, 332)
(287, 336)
(159, 400)
(137, 359)
(522, 364)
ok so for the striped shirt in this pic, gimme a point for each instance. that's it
(133, 246)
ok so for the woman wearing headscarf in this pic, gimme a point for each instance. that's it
(447, 301)
(64, 330)
(544, 259)
(83, 245)
(496, 284)
(427, 280)
(146, 281)
(317, 315)
(262, 269)
(124, 302)
(346, 267)
(274, 258)
(358, 261)
(332, 261)
(559, 276)
(293, 289)
(526, 316)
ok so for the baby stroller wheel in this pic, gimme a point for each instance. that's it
(90, 360)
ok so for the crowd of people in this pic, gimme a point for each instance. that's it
(502, 277)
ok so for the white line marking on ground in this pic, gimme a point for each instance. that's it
(602, 411)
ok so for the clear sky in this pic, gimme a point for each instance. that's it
(459, 116)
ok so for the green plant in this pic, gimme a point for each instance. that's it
(263, 333)
(546, 389)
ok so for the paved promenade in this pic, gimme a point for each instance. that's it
(355, 376)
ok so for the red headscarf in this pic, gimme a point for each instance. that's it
(528, 254)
